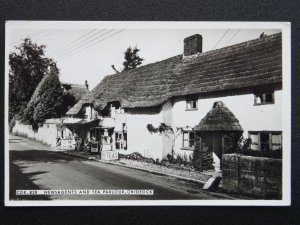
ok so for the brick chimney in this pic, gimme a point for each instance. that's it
(192, 45)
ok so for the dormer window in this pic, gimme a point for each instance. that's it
(191, 102)
(264, 98)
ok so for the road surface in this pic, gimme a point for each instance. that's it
(36, 167)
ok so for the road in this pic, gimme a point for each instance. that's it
(36, 167)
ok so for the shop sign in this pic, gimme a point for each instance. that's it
(94, 147)
(109, 155)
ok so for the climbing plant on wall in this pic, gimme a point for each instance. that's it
(167, 130)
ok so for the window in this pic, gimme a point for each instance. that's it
(121, 140)
(265, 140)
(188, 140)
(263, 98)
(191, 102)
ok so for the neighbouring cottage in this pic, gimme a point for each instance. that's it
(51, 129)
(233, 89)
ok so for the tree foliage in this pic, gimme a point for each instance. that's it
(28, 65)
(47, 101)
(132, 59)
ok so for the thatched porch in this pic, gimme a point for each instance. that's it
(215, 129)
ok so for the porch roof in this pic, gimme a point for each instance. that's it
(82, 124)
(219, 118)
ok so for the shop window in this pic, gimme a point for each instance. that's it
(121, 140)
(191, 102)
(188, 140)
(266, 140)
(263, 98)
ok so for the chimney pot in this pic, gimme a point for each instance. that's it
(192, 45)
(86, 85)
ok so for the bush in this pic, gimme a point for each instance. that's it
(12, 123)
(137, 156)
(202, 158)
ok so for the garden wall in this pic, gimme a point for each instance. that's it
(46, 134)
(256, 176)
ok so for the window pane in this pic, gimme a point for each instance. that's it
(276, 142)
(254, 142)
(194, 105)
(185, 135)
(254, 138)
(188, 105)
(188, 139)
(269, 98)
(259, 99)
(191, 134)
(185, 143)
(254, 147)
(276, 139)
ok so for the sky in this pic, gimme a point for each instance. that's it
(86, 50)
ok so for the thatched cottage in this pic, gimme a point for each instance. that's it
(232, 89)
(48, 132)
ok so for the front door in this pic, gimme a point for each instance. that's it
(214, 142)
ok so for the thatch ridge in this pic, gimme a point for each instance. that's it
(77, 90)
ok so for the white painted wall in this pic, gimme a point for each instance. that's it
(138, 137)
(90, 113)
(263, 117)
(46, 134)
(259, 117)
(167, 118)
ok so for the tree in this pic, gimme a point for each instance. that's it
(28, 65)
(132, 59)
(47, 101)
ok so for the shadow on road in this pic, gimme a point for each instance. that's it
(25, 181)
(41, 156)
(20, 181)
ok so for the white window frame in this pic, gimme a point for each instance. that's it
(191, 100)
(122, 142)
(270, 133)
(264, 98)
(189, 147)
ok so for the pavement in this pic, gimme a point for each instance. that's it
(34, 166)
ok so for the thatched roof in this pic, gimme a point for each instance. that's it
(245, 65)
(37, 92)
(77, 90)
(75, 109)
(219, 118)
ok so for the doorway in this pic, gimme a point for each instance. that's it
(215, 143)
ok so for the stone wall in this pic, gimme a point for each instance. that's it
(256, 176)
